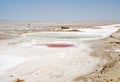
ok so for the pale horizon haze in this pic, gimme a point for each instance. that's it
(33, 10)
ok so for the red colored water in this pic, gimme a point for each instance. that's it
(60, 45)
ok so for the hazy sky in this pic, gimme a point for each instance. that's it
(59, 10)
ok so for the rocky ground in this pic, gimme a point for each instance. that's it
(108, 70)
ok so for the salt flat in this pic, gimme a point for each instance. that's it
(27, 57)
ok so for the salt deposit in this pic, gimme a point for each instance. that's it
(46, 64)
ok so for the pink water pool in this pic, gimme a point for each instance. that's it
(57, 45)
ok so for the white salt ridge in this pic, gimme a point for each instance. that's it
(7, 62)
(104, 31)
(117, 50)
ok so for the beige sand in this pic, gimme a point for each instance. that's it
(106, 49)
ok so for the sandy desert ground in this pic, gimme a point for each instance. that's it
(43, 52)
